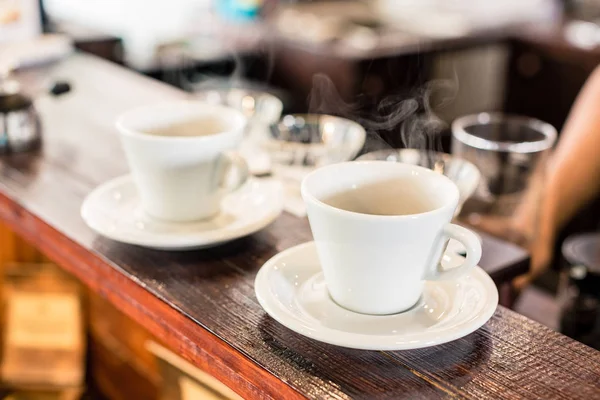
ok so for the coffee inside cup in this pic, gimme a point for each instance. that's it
(204, 126)
(398, 196)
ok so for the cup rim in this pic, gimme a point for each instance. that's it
(459, 132)
(309, 197)
(236, 115)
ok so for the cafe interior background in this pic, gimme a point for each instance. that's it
(430, 76)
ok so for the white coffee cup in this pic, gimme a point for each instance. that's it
(180, 157)
(380, 230)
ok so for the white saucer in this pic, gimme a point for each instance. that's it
(113, 210)
(291, 289)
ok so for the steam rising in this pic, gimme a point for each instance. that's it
(411, 118)
(406, 119)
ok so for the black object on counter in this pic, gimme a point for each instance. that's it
(60, 87)
(580, 289)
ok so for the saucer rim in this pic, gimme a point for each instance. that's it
(276, 310)
(181, 242)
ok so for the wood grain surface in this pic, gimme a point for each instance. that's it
(202, 303)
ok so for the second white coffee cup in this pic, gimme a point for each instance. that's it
(180, 157)
(380, 230)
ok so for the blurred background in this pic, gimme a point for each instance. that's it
(521, 56)
(404, 69)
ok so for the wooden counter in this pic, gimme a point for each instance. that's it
(202, 303)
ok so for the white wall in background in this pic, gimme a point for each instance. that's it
(19, 20)
(142, 24)
(447, 17)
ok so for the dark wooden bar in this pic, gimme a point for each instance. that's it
(202, 304)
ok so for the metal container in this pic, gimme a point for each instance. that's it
(19, 122)
(579, 292)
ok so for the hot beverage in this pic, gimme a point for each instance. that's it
(380, 229)
(388, 197)
(191, 128)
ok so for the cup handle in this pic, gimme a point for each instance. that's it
(473, 247)
(235, 162)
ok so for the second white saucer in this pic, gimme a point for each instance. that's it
(291, 288)
(113, 210)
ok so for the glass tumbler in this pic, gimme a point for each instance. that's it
(511, 153)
